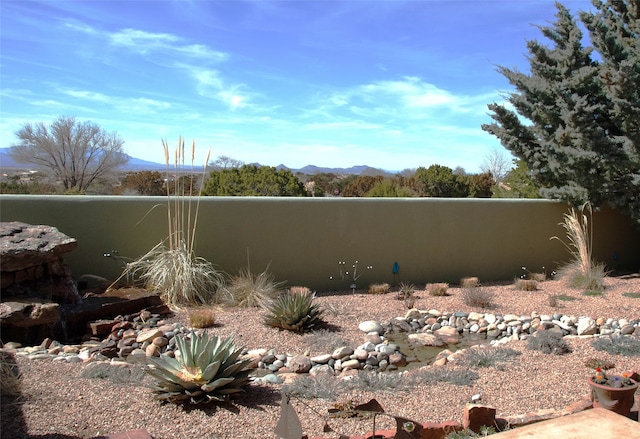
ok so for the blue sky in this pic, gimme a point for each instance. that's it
(389, 84)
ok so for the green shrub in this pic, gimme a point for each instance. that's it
(477, 297)
(632, 295)
(627, 345)
(566, 298)
(294, 312)
(484, 356)
(549, 342)
(247, 290)
(206, 369)
(592, 293)
(438, 289)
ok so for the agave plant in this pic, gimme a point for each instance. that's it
(294, 312)
(206, 369)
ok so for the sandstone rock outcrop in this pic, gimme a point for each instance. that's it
(32, 263)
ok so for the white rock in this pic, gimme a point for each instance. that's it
(490, 318)
(342, 352)
(587, 326)
(321, 359)
(370, 326)
(474, 316)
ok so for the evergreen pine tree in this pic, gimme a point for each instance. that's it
(565, 126)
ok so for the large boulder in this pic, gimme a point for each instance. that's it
(29, 322)
(33, 264)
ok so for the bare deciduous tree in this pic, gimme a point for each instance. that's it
(496, 163)
(226, 162)
(76, 152)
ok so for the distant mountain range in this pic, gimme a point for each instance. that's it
(135, 164)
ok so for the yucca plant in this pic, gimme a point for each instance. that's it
(582, 271)
(294, 312)
(206, 369)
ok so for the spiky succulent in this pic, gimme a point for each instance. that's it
(206, 369)
(294, 312)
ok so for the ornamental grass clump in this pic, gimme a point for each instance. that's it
(10, 378)
(248, 290)
(526, 284)
(294, 312)
(379, 288)
(204, 369)
(202, 318)
(469, 282)
(582, 271)
(172, 268)
(438, 289)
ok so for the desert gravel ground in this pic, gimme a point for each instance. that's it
(58, 402)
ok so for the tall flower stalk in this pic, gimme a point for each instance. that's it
(172, 268)
(581, 271)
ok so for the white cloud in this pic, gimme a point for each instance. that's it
(342, 125)
(89, 96)
(145, 42)
(210, 84)
(140, 104)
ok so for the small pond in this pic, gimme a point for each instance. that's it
(420, 356)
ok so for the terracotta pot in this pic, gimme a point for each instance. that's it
(617, 399)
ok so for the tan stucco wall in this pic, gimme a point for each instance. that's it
(303, 239)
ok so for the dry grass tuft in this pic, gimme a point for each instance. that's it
(439, 289)
(469, 282)
(379, 288)
(178, 276)
(477, 297)
(526, 284)
(582, 272)
(248, 290)
(10, 379)
(172, 268)
(202, 318)
(299, 290)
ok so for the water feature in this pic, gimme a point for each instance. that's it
(420, 356)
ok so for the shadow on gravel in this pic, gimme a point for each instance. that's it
(257, 397)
